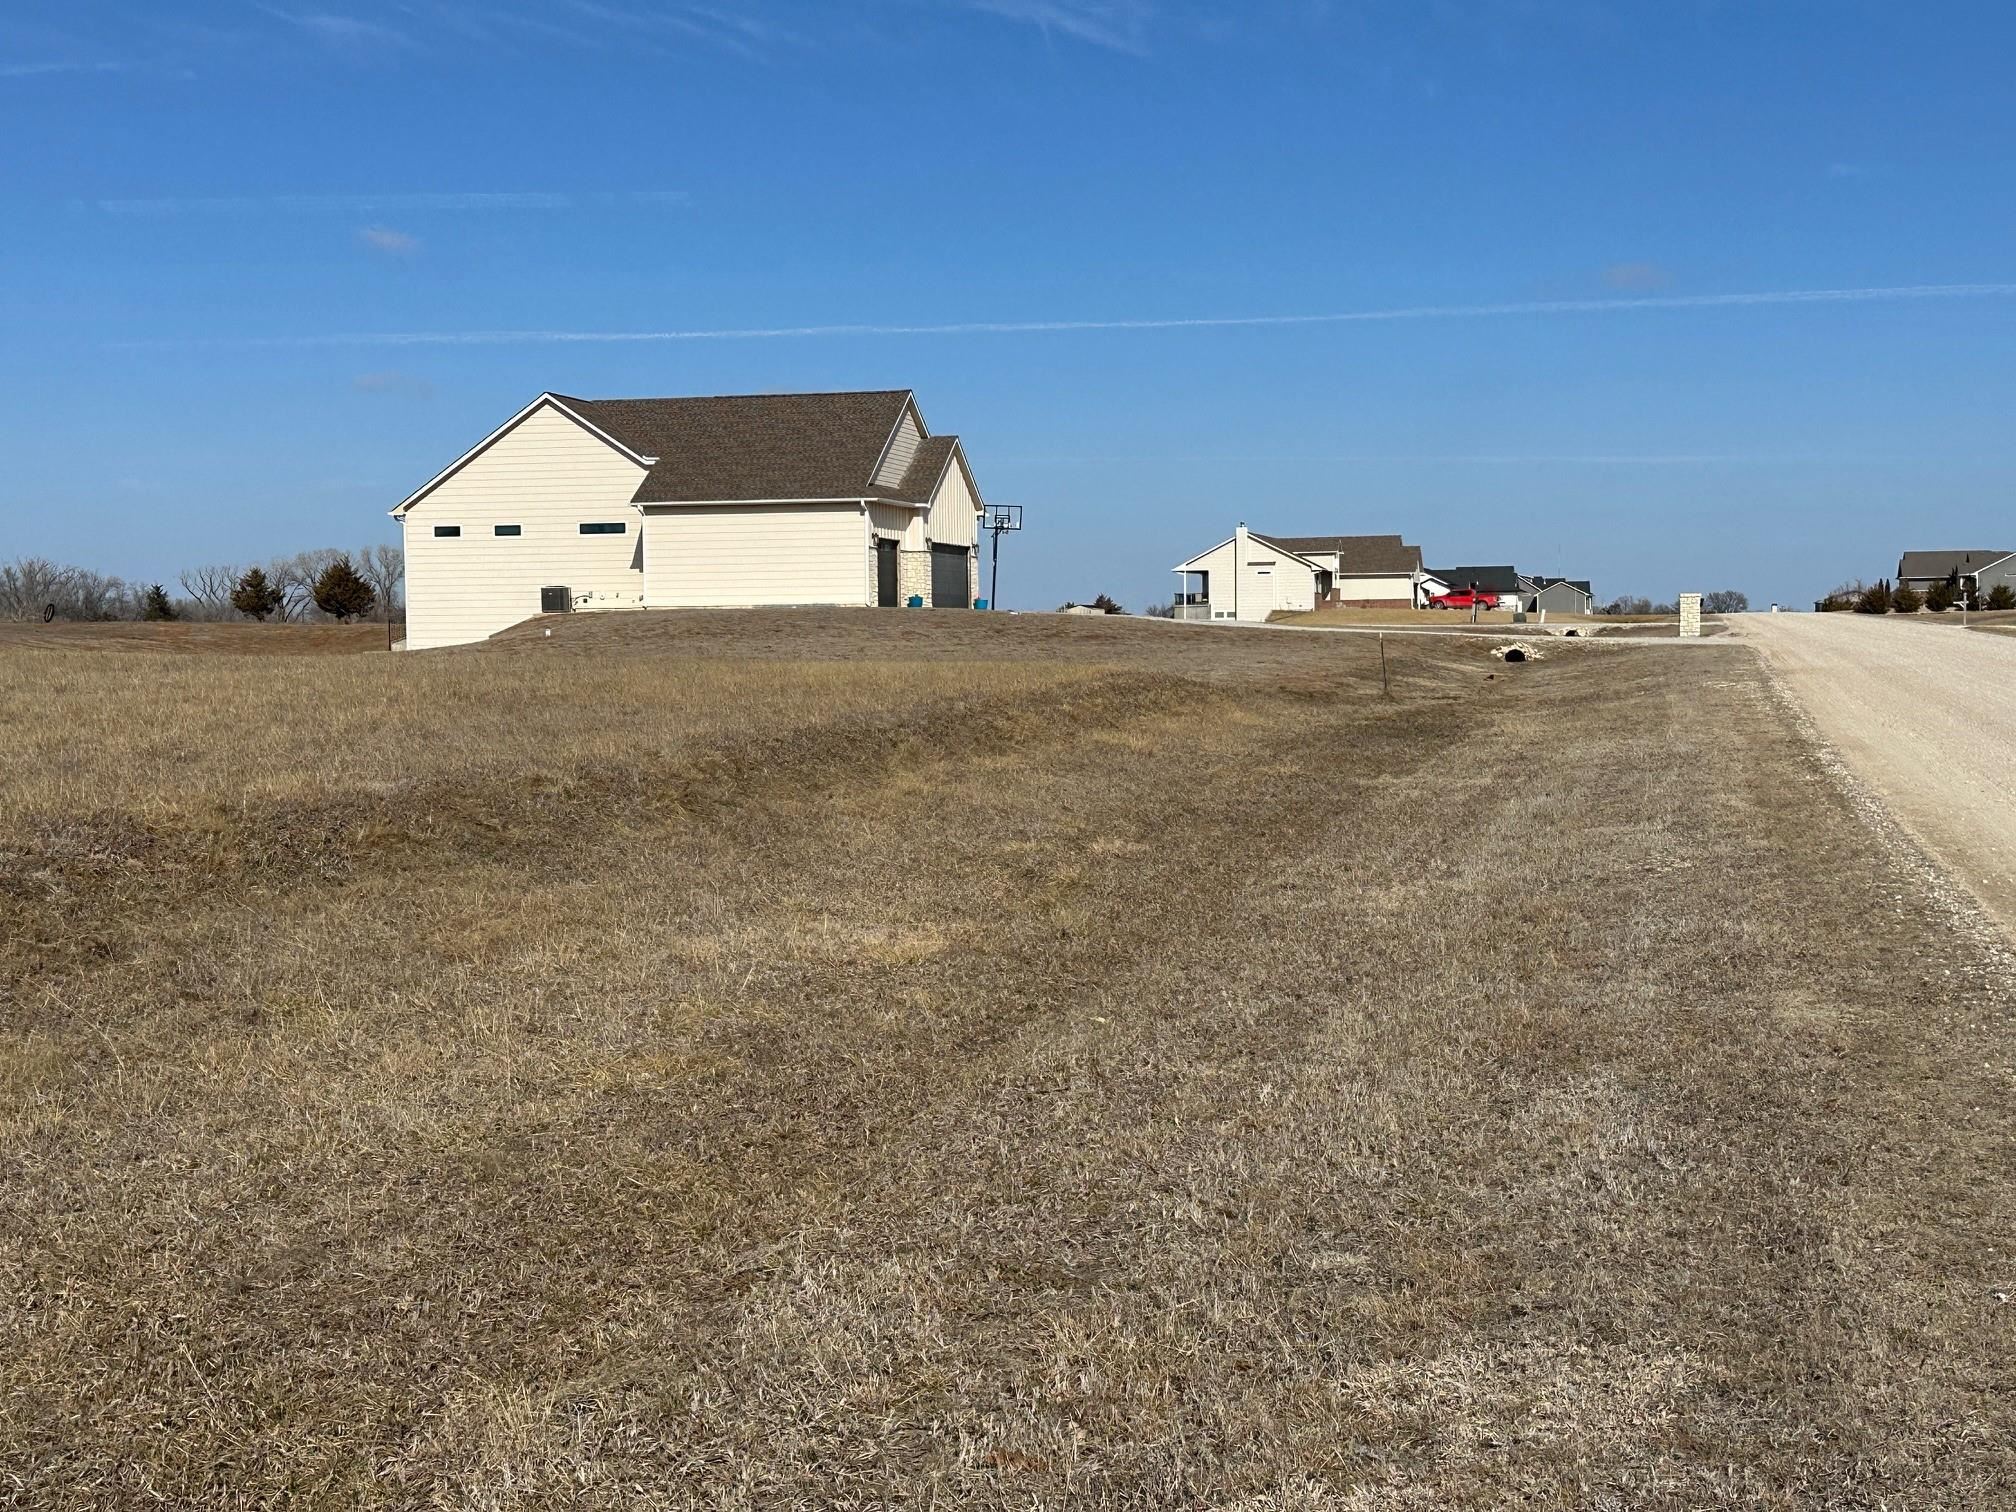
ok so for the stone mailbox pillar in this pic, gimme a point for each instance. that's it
(1690, 615)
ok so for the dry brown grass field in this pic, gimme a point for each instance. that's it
(844, 1060)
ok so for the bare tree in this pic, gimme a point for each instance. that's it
(29, 586)
(295, 577)
(384, 568)
(209, 591)
(1726, 601)
(30, 583)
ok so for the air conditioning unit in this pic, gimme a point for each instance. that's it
(555, 600)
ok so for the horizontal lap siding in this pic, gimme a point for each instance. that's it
(1289, 584)
(1375, 589)
(750, 554)
(547, 477)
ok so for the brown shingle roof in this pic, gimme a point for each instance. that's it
(753, 446)
(926, 468)
(1359, 554)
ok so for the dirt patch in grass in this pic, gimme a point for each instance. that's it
(1136, 1089)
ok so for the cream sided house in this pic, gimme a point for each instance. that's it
(1252, 576)
(759, 499)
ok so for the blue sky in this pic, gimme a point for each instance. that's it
(268, 266)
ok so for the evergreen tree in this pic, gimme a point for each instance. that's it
(1943, 595)
(154, 604)
(1875, 598)
(1904, 599)
(255, 596)
(341, 593)
(2001, 596)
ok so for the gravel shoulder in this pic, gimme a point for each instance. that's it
(1925, 718)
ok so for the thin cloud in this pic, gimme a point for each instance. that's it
(368, 204)
(42, 70)
(1912, 293)
(1117, 25)
(1479, 459)
(336, 29)
(385, 239)
(691, 23)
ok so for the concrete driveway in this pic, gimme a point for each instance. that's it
(1924, 713)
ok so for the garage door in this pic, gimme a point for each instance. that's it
(949, 587)
(696, 556)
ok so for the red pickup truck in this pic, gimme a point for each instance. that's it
(1464, 598)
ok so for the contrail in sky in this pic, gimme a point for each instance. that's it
(1890, 295)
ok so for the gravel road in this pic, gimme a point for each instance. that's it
(1924, 713)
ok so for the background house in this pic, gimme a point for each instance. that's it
(1248, 576)
(1559, 595)
(765, 499)
(1984, 570)
(1366, 571)
(1503, 581)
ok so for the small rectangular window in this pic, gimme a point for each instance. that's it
(510, 530)
(447, 530)
(603, 527)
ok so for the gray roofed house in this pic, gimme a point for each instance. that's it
(724, 501)
(1986, 569)
(1504, 580)
(1562, 595)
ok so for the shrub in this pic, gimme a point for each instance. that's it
(2001, 596)
(1941, 596)
(1904, 599)
(341, 593)
(1875, 598)
(154, 604)
(256, 596)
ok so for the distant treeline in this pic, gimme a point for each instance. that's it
(1721, 601)
(324, 584)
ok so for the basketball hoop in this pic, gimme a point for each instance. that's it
(1000, 519)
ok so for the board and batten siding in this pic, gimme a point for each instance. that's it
(952, 521)
(548, 477)
(744, 555)
(902, 452)
(895, 520)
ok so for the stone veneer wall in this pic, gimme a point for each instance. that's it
(913, 577)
